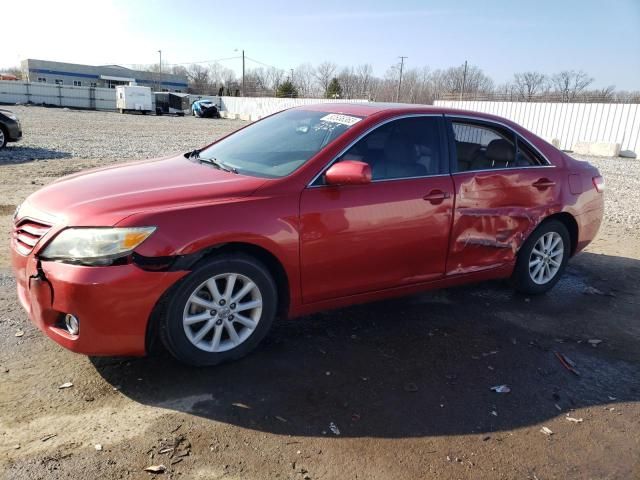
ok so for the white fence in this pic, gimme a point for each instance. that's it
(254, 108)
(59, 95)
(569, 123)
(246, 108)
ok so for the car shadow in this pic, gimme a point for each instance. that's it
(419, 366)
(13, 154)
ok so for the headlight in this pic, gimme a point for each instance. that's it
(97, 246)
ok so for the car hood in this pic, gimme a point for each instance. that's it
(105, 196)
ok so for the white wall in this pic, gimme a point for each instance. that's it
(246, 108)
(254, 108)
(570, 123)
(60, 95)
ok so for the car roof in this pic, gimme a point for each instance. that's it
(366, 109)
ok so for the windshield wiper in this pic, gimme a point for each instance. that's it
(216, 163)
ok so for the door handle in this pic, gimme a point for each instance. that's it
(543, 183)
(436, 196)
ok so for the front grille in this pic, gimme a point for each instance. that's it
(26, 233)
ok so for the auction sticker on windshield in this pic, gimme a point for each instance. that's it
(342, 119)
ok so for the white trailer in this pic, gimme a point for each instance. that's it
(131, 98)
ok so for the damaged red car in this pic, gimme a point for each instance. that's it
(313, 208)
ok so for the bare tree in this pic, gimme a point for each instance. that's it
(303, 79)
(199, 81)
(569, 84)
(15, 71)
(179, 70)
(529, 84)
(456, 80)
(364, 75)
(324, 74)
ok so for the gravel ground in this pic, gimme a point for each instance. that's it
(405, 383)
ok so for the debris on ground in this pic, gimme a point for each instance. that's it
(594, 342)
(567, 363)
(494, 413)
(241, 405)
(574, 420)
(48, 437)
(282, 419)
(501, 388)
(334, 428)
(65, 385)
(156, 469)
(410, 387)
(589, 290)
(19, 333)
(546, 431)
(98, 447)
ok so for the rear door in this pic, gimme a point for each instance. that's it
(503, 187)
(389, 233)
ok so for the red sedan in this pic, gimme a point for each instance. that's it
(309, 209)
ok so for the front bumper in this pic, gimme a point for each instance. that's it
(15, 131)
(113, 303)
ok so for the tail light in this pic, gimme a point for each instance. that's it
(598, 182)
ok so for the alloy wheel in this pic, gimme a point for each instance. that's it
(222, 312)
(546, 258)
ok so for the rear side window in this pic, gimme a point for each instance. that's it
(482, 147)
(527, 157)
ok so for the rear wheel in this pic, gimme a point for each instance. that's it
(3, 137)
(220, 312)
(542, 259)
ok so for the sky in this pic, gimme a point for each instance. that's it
(501, 37)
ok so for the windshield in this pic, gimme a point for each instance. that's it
(278, 145)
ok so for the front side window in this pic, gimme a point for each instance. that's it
(404, 148)
(278, 145)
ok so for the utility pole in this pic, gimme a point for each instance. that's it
(464, 80)
(160, 71)
(400, 82)
(243, 90)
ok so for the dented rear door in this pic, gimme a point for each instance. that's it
(494, 214)
(495, 211)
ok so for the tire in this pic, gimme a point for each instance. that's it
(531, 278)
(4, 137)
(183, 320)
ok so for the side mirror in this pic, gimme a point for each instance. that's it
(348, 172)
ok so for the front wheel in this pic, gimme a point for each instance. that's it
(3, 137)
(542, 259)
(220, 312)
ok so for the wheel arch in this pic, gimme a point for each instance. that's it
(270, 261)
(570, 223)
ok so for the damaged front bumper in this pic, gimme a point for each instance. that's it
(113, 304)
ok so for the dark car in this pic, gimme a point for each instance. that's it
(204, 109)
(10, 128)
